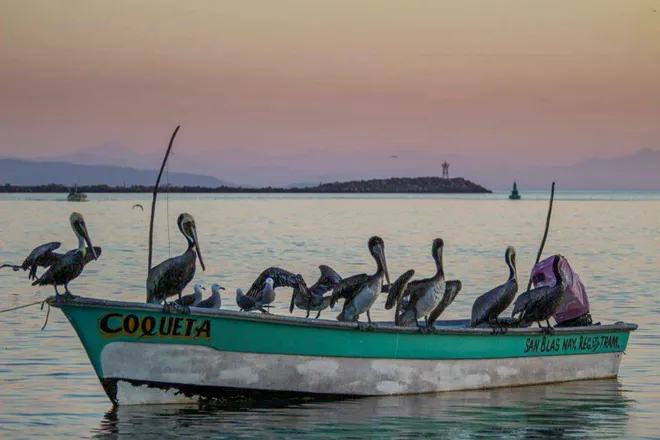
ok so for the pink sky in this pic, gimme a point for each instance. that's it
(476, 78)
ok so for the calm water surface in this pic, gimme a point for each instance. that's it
(48, 386)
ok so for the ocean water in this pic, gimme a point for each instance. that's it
(48, 387)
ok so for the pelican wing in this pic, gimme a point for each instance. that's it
(397, 289)
(528, 299)
(62, 271)
(89, 256)
(326, 282)
(281, 278)
(348, 288)
(452, 287)
(41, 256)
(169, 277)
(391, 300)
(492, 302)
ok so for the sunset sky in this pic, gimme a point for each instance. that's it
(478, 78)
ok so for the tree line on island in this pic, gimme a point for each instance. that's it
(389, 185)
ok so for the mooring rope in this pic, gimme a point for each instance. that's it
(42, 302)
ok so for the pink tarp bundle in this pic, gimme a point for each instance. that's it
(575, 302)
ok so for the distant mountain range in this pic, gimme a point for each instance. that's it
(23, 172)
(250, 168)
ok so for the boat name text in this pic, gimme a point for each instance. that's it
(170, 327)
(559, 344)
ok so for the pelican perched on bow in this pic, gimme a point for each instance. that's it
(541, 303)
(262, 292)
(361, 291)
(191, 300)
(488, 306)
(215, 300)
(424, 295)
(45, 256)
(315, 300)
(170, 277)
(67, 267)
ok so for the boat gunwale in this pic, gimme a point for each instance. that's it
(382, 326)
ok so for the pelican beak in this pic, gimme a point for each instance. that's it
(85, 234)
(222, 288)
(199, 252)
(381, 254)
(203, 288)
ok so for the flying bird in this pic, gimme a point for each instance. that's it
(137, 205)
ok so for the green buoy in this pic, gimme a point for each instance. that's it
(514, 192)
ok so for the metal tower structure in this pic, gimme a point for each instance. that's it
(445, 170)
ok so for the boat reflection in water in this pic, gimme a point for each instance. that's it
(586, 409)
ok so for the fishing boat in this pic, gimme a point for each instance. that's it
(75, 196)
(143, 355)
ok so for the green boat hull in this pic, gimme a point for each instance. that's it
(142, 355)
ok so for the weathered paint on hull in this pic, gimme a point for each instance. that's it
(142, 355)
(204, 370)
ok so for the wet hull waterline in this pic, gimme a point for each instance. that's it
(144, 356)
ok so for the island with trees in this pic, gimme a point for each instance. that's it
(414, 185)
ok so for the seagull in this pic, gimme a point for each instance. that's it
(214, 301)
(191, 300)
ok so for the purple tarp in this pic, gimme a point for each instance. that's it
(575, 301)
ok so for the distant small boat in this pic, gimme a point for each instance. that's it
(75, 196)
(514, 192)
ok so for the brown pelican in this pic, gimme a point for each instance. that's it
(191, 300)
(361, 291)
(488, 306)
(262, 291)
(170, 277)
(424, 295)
(541, 303)
(67, 267)
(215, 300)
(315, 300)
(44, 256)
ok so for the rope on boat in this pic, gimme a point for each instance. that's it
(32, 304)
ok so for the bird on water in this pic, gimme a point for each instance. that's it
(215, 300)
(424, 295)
(315, 300)
(170, 277)
(488, 306)
(191, 300)
(361, 291)
(69, 266)
(541, 303)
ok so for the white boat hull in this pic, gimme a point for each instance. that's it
(170, 373)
